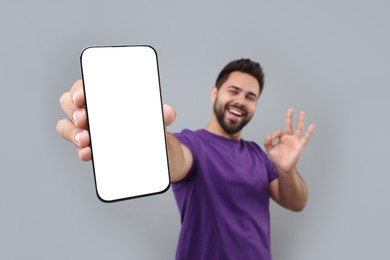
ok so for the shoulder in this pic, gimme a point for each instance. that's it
(189, 138)
(254, 147)
(185, 132)
(263, 157)
(187, 135)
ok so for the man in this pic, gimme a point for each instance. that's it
(221, 182)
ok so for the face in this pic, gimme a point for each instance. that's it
(235, 101)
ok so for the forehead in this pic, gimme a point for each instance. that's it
(246, 82)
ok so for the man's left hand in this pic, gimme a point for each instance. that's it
(284, 148)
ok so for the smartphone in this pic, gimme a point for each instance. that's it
(125, 121)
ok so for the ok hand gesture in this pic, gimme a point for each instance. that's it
(285, 148)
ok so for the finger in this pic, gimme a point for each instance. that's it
(288, 128)
(268, 143)
(82, 139)
(72, 133)
(271, 140)
(84, 153)
(66, 104)
(274, 138)
(276, 135)
(77, 94)
(79, 117)
(75, 113)
(301, 123)
(169, 114)
(306, 137)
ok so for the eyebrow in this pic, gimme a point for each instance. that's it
(239, 89)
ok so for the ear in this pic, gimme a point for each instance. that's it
(213, 94)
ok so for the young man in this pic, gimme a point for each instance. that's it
(221, 182)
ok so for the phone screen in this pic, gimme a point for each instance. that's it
(125, 121)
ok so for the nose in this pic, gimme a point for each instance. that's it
(241, 99)
(240, 102)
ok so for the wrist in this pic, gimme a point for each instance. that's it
(288, 174)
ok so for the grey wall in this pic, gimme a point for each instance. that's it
(330, 58)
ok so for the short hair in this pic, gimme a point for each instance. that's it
(242, 65)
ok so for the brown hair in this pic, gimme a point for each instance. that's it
(243, 65)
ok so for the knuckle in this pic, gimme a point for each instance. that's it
(60, 127)
(62, 99)
(76, 85)
(78, 151)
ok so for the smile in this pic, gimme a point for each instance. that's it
(235, 112)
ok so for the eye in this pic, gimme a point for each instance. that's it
(233, 91)
(251, 98)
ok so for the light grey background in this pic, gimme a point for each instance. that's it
(330, 58)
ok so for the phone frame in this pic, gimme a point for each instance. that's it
(89, 128)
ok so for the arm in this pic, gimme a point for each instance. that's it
(284, 150)
(180, 158)
(289, 191)
(74, 129)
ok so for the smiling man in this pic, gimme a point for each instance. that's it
(222, 183)
(231, 112)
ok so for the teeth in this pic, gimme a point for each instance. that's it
(237, 113)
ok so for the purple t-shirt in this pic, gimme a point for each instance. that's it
(224, 199)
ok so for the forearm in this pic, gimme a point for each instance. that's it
(179, 159)
(292, 190)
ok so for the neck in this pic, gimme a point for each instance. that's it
(214, 127)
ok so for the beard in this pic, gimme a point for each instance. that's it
(228, 125)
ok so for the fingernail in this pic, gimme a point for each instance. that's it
(77, 137)
(74, 96)
(76, 115)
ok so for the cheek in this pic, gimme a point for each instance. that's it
(221, 101)
(251, 109)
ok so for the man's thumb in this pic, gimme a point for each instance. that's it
(169, 114)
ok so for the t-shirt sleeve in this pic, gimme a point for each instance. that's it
(269, 165)
(271, 169)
